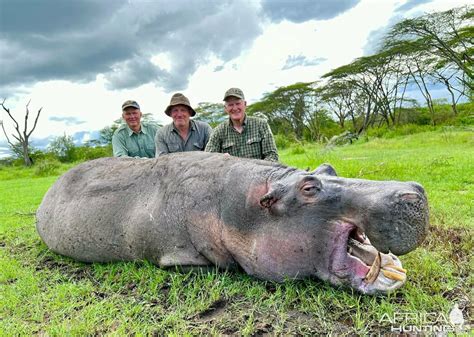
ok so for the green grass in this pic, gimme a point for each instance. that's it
(44, 293)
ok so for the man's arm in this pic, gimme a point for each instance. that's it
(269, 150)
(118, 146)
(214, 144)
(160, 145)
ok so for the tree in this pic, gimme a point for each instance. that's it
(63, 148)
(211, 113)
(291, 107)
(448, 35)
(22, 137)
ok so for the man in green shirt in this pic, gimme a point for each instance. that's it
(242, 135)
(183, 134)
(135, 139)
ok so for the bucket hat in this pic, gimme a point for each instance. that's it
(179, 99)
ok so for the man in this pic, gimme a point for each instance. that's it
(242, 135)
(135, 139)
(183, 134)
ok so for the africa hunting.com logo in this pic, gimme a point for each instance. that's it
(427, 322)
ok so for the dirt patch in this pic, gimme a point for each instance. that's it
(459, 242)
(70, 269)
(215, 310)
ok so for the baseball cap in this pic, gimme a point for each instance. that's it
(130, 103)
(235, 92)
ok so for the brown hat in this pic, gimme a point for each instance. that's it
(179, 99)
(130, 103)
(235, 92)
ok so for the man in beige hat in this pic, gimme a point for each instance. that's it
(183, 134)
(242, 135)
(134, 139)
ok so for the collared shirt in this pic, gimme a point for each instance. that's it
(127, 143)
(256, 140)
(168, 140)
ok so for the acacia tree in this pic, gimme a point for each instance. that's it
(371, 76)
(22, 137)
(448, 35)
(449, 76)
(292, 106)
(335, 94)
(211, 113)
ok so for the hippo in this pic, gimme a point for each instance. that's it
(197, 210)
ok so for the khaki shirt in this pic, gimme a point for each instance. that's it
(256, 140)
(127, 143)
(168, 140)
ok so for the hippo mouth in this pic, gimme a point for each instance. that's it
(357, 260)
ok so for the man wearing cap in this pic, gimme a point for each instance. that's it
(135, 139)
(183, 134)
(242, 135)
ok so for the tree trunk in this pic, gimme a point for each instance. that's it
(26, 155)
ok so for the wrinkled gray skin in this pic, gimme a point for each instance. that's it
(200, 209)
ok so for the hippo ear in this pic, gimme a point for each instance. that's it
(269, 199)
(325, 169)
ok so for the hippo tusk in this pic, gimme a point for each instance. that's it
(393, 276)
(374, 270)
(395, 267)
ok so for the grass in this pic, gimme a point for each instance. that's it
(44, 293)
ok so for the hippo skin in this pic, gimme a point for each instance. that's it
(199, 209)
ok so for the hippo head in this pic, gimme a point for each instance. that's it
(346, 231)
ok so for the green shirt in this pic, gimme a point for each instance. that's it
(256, 140)
(127, 143)
(168, 140)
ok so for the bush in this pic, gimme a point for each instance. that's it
(84, 153)
(282, 141)
(63, 148)
(47, 167)
(297, 149)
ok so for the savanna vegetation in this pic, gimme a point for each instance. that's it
(358, 118)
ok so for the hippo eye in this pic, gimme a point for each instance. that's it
(310, 188)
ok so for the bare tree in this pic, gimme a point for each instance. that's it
(22, 137)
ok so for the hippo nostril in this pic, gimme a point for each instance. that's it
(410, 196)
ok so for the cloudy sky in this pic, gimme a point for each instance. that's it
(80, 59)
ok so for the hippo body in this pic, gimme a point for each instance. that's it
(201, 209)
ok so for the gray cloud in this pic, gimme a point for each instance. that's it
(301, 61)
(304, 10)
(77, 40)
(374, 40)
(411, 4)
(67, 120)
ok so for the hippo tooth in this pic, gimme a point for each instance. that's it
(374, 270)
(395, 267)
(393, 276)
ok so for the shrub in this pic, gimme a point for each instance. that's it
(84, 153)
(282, 141)
(47, 167)
(297, 149)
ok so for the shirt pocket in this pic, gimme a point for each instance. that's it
(254, 148)
(198, 146)
(254, 141)
(150, 147)
(229, 148)
(174, 147)
(133, 150)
